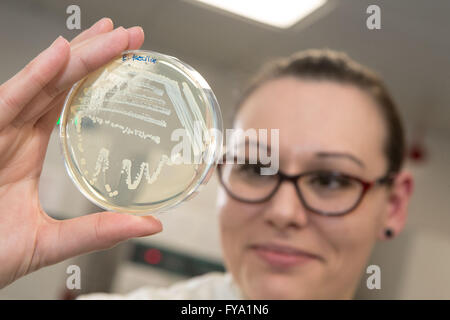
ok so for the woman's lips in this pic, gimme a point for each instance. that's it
(282, 256)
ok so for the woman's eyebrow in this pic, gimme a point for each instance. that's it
(341, 155)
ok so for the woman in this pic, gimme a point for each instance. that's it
(304, 233)
(341, 145)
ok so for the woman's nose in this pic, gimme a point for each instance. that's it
(285, 209)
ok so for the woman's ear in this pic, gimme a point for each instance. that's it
(397, 209)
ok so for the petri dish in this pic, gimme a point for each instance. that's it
(142, 134)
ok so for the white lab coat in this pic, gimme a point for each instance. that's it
(211, 286)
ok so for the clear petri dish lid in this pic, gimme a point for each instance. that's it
(141, 134)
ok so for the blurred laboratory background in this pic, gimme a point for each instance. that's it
(411, 51)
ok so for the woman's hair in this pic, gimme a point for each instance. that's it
(336, 66)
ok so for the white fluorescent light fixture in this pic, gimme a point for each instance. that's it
(278, 13)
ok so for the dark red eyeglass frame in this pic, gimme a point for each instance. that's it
(366, 186)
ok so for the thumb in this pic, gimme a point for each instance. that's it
(60, 240)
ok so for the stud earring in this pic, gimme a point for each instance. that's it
(388, 233)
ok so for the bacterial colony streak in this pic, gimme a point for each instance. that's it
(134, 77)
(126, 130)
(102, 165)
(194, 107)
(159, 92)
(174, 93)
(119, 83)
(105, 83)
(146, 107)
(151, 99)
(130, 114)
(144, 170)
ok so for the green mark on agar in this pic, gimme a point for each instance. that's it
(59, 121)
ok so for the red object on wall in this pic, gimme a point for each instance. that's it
(417, 152)
(152, 256)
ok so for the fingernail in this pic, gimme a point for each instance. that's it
(56, 41)
(136, 27)
(155, 218)
(135, 30)
(118, 29)
(104, 20)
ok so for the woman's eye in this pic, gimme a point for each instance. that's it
(330, 181)
(250, 169)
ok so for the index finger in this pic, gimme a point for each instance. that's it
(102, 26)
(27, 83)
(84, 58)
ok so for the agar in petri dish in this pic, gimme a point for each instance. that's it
(141, 134)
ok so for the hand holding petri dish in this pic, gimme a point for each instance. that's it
(142, 134)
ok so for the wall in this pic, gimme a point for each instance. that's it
(414, 265)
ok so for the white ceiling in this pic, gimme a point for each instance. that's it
(411, 51)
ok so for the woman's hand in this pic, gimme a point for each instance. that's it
(30, 104)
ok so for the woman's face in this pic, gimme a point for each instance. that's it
(314, 118)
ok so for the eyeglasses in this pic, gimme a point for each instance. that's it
(328, 193)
